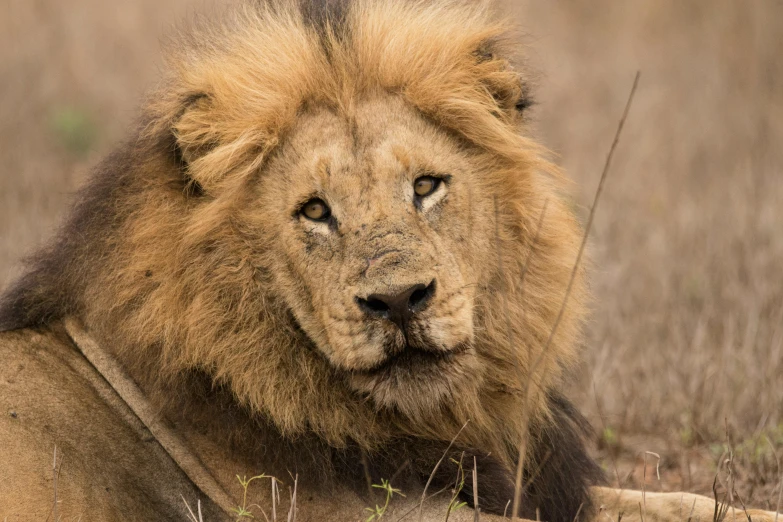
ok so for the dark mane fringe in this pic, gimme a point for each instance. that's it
(563, 470)
(556, 481)
(557, 476)
(56, 276)
(59, 273)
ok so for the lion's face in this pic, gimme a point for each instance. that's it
(377, 241)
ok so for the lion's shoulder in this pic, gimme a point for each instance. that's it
(51, 397)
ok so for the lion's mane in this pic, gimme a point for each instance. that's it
(154, 258)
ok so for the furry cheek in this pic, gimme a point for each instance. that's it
(354, 346)
(453, 326)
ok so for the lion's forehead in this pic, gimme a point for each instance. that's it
(368, 154)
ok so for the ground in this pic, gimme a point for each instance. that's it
(684, 351)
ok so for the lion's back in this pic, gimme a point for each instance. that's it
(49, 396)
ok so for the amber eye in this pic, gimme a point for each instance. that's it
(426, 185)
(316, 210)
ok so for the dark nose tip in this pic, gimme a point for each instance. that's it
(400, 307)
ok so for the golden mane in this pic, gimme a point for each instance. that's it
(169, 282)
(235, 87)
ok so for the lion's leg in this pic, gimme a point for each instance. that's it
(665, 507)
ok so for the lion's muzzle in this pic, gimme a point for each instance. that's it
(398, 307)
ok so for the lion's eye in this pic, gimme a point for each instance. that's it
(426, 185)
(316, 210)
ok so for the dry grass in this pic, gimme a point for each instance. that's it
(688, 242)
(687, 331)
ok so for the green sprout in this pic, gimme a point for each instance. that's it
(454, 503)
(243, 511)
(379, 511)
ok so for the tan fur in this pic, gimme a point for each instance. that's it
(219, 275)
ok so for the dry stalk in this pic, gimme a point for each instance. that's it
(721, 508)
(191, 516)
(435, 469)
(693, 508)
(458, 482)
(644, 479)
(411, 510)
(569, 288)
(292, 509)
(275, 499)
(510, 334)
(730, 471)
(54, 474)
(402, 468)
(744, 508)
(367, 477)
(578, 512)
(591, 215)
(780, 479)
(476, 508)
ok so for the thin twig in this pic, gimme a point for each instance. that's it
(721, 508)
(578, 512)
(577, 262)
(591, 215)
(780, 475)
(744, 509)
(537, 471)
(458, 485)
(411, 510)
(190, 511)
(191, 516)
(292, 510)
(525, 410)
(693, 508)
(435, 469)
(476, 508)
(730, 470)
(275, 498)
(54, 473)
(56, 469)
(367, 477)
(644, 477)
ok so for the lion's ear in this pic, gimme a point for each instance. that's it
(512, 97)
(506, 86)
(189, 129)
(218, 145)
(194, 138)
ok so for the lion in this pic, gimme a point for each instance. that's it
(330, 253)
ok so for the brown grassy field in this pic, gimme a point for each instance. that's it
(685, 347)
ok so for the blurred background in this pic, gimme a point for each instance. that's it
(684, 352)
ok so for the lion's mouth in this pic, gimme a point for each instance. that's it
(413, 360)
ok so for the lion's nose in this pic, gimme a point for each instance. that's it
(399, 307)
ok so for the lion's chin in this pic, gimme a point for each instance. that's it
(417, 382)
